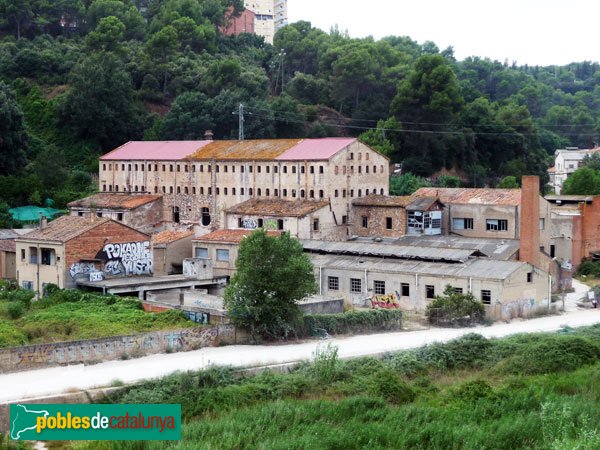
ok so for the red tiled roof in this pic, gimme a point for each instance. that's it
(315, 149)
(383, 200)
(8, 245)
(511, 197)
(155, 150)
(167, 236)
(277, 207)
(114, 201)
(230, 236)
(65, 228)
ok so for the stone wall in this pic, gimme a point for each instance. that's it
(14, 359)
(377, 221)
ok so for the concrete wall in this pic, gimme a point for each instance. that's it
(29, 357)
(480, 214)
(300, 227)
(168, 258)
(220, 268)
(322, 306)
(511, 297)
(39, 274)
(377, 221)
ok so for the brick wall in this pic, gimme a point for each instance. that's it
(591, 227)
(87, 245)
(529, 250)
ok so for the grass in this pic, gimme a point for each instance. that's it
(537, 391)
(75, 315)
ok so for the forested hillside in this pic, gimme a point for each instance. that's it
(80, 77)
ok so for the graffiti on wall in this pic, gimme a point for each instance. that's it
(94, 350)
(81, 268)
(129, 258)
(249, 224)
(385, 301)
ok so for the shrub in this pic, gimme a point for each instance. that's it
(15, 310)
(352, 322)
(471, 391)
(326, 364)
(387, 384)
(589, 268)
(455, 309)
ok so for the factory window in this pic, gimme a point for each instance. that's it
(457, 290)
(344, 193)
(351, 155)
(178, 168)
(333, 283)
(258, 192)
(178, 189)
(276, 192)
(186, 190)
(302, 193)
(351, 192)
(103, 166)
(260, 223)
(285, 193)
(193, 167)
(365, 221)
(280, 224)
(164, 189)
(429, 291)
(312, 194)
(242, 168)
(405, 289)
(241, 191)
(187, 168)
(210, 190)
(225, 168)
(104, 187)
(205, 216)
(321, 169)
(486, 297)
(201, 190)
(250, 169)
(232, 191)
(170, 167)
(284, 169)
(293, 169)
(120, 217)
(217, 191)
(462, 224)
(294, 193)
(267, 192)
(355, 285)
(316, 225)
(359, 169)
(302, 169)
(552, 251)
(209, 168)
(321, 194)
(23, 253)
(222, 254)
(542, 223)
(366, 169)
(336, 193)
(366, 192)
(274, 169)
(268, 169)
(201, 252)
(156, 167)
(388, 223)
(194, 190)
(374, 169)
(176, 214)
(201, 168)
(379, 287)
(225, 189)
(217, 168)
(128, 166)
(33, 255)
(312, 169)
(344, 220)
(496, 225)
(529, 277)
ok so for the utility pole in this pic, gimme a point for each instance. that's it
(281, 57)
(240, 113)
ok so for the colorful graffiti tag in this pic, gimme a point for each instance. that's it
(385, 301)
(81, 268)
(130, 258)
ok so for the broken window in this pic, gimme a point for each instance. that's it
(176, 214)
(486, 297)
(205, 217)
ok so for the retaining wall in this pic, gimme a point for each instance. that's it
(13, 359)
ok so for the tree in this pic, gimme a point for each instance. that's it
(508, 182)
(273, 274)
(107, 36)
(584, 181)
(100, 105)
(13, 136)
(161, 47)
(448, 181)
(592, 161)
(406, 184)
(189, 118)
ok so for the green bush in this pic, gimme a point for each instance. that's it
(455, 309)
(15, 310)
(352, 322)
(589, 268)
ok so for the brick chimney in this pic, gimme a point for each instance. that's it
(529, 247)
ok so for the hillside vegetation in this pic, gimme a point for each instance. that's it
(80, 77)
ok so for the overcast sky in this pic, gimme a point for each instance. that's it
(534, 32)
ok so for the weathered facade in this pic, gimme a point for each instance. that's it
(303, 219)
(8, 264)
(567, 161)
(71, 247)
(144, 212)
(170, 249)
(379, 215)
(199, 180)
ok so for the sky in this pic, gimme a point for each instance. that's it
(534, 32)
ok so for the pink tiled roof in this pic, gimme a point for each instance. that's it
(155, 150)
(315, 149)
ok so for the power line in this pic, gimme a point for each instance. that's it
(401, 130)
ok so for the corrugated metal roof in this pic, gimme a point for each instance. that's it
(253, 150)
(114, 200)
(277, 207)
(510, 197)
(383, 201)
(500, 249)
(570, 198)
(475, 268)
(315, 149)
(155, 150)
(390, 251)
(423, 204)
